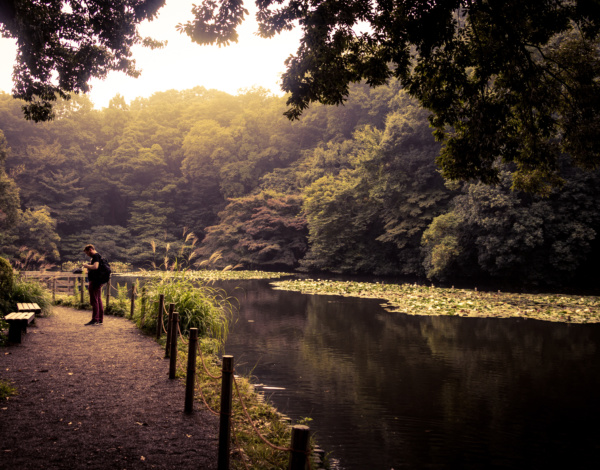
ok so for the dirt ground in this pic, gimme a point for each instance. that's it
(97, 397)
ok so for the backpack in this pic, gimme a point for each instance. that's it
(104, 271)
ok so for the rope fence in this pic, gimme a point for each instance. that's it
(300, 455)
(168, 323)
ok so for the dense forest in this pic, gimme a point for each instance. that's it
(352, 189)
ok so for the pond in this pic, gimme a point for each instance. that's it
(388, 390)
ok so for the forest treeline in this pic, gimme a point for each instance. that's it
(350, 189)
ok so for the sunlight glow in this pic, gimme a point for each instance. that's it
(181, 65)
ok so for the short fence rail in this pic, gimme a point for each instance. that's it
(59, 282)
(56, 281)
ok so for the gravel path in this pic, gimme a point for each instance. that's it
(97, 397)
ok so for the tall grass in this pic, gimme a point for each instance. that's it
(199, 305)
(31, 291)
(119, 303)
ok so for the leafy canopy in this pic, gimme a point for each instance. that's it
(63, 43)
(504, 78)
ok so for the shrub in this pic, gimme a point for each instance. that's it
(6, 286)
(199, 306)
(119, 304)
(32, 292)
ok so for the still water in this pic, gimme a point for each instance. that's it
(388, 390)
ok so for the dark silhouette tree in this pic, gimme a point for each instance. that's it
(505, 79)
(63, 43)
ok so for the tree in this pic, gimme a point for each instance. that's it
(263, 230)
(73, 40)
(504, 78)
(502, 234)
(38, 239)
(9, 202)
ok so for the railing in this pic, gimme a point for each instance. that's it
(63, 283)
(56, 281)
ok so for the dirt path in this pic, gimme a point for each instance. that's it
(97, 397)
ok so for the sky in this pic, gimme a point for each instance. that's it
(182, 64)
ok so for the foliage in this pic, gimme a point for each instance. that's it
(7, 390)
(441, 246)
(32, 292)
(37, 233)
(369, 217)
(199, 305)
(210, 275)
(503, 79)
(261, 230)
(347, 189)
(498, 233)
(9, 202)
(119, 304)
(74, 41)
(6, 286)
(413, 299)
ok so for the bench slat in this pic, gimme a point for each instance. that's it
(29, 316)
(29, 307)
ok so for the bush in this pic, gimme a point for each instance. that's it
(6, 286)
(199, 306)
(32, 292)
(119, 305)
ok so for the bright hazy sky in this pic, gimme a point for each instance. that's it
(183, 64)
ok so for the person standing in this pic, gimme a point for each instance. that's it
(94, 285)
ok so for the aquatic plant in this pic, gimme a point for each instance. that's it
(414, 299)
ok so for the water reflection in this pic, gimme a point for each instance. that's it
(387, 390)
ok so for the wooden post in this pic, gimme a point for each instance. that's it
(107, 292)
(82, 285)
(159, 317)
(169, 325)
(190, 380)
(225, 422)
(54, 290)
(173, 355)
(299, 453)
(132, 301)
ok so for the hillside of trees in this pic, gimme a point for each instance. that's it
(351, 189)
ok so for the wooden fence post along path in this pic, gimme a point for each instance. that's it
(133, 289)
(159, 317)
(190, 382)
(107, 292)
(173, 354)
(225, 421)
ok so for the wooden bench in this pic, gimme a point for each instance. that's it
(17, 324)
(25, 307)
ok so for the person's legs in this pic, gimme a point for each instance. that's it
(96, 302)
(100, 306)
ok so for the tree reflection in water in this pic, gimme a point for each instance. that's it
(387, 390)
